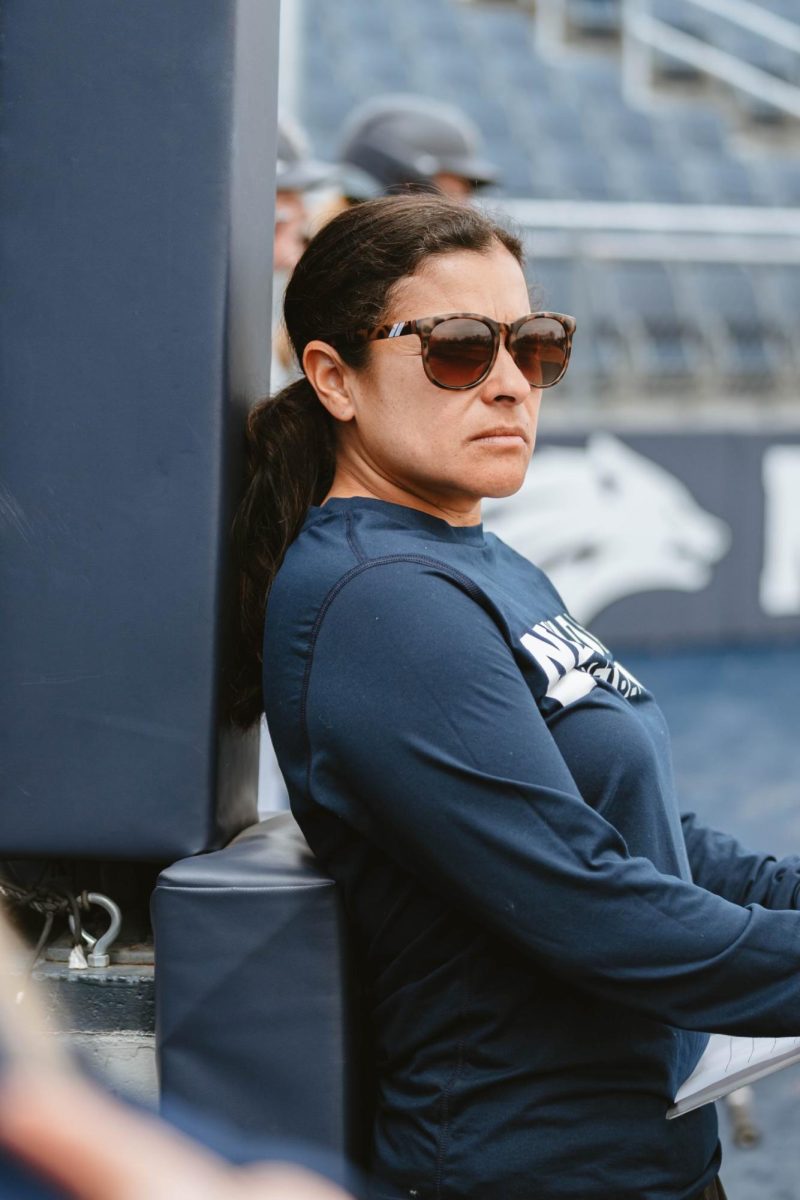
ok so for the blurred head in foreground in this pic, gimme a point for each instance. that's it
(62, 1135)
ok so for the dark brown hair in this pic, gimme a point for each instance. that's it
(343, 282)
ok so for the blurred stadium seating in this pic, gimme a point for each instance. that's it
(708, 309)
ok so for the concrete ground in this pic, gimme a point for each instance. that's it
(107, 1015)
(735, 723)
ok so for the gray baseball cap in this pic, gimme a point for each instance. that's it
(400, 140)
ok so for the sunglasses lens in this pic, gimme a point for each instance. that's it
(459, 351)
(541, 351)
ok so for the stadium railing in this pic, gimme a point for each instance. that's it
(667, 296)
(650, 32)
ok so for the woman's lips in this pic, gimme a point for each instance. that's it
(510, 437)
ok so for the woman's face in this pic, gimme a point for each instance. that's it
(402, 438)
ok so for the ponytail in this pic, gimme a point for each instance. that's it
(290, 465)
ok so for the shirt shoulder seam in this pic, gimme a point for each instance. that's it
(385, 560)
(352, 539)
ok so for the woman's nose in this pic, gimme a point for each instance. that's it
(505, 380)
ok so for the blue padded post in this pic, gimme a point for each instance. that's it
(136, 217)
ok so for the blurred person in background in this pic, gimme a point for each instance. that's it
(296, 174)
(397, 142)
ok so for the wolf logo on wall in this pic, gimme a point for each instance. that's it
(605, 522)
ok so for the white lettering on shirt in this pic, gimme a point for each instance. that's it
(573, 661)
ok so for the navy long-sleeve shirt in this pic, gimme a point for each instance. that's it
(494, 793)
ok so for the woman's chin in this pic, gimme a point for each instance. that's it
(497, 484)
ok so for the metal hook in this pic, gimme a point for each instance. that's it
(86, 937)
(98, 947)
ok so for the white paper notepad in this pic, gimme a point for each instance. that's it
(728, 1063)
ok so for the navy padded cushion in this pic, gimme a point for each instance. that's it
(256, 1009)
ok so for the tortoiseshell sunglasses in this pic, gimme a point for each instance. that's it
(460, 349)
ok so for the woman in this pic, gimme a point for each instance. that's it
(491, 789)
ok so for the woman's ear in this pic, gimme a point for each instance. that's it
(328, 375)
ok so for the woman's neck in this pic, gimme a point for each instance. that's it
(347, 484)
